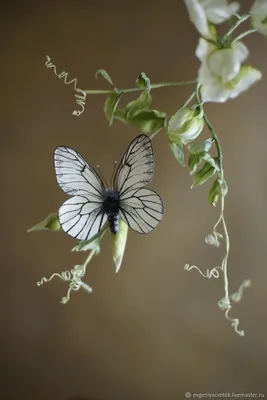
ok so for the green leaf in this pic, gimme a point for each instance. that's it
(200, 147)
(178, 153)
(143, 82)
(194, 161)
(105, 75)
(223, 185)
(120, 114)
(202, 175)
(212, 161)
(92, 244)
(214, 193)
(140, 104)
(50, 223)
(148, 121)
(111, 105)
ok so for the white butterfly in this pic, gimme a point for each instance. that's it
(93, 205)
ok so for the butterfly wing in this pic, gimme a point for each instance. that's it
(82, 216)
(136, 167)
(140, 208)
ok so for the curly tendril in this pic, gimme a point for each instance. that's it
(80, 98)
(74, 277)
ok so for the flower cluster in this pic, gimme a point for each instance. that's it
(223, 74)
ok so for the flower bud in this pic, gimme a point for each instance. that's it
(119, 243)
(185, 125)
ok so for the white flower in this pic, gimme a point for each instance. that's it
(259, 16)
(222, 75)
(185, 125)
(204, 12)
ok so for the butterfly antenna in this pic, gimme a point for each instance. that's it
(102, 176)
(113, 174)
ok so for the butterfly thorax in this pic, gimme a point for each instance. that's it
(111, 206)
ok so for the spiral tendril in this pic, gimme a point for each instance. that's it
(74, 277)
(80, 94)
(210, 273)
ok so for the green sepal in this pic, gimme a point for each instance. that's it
(202, 175)
(202, 147)
(111, 105)
(50, 223)
(214, 193)
(92, 244)
(194, 161)
(105, 75)
(177, 150)
(143, 82)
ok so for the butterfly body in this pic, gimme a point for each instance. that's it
(111, 205)
(92, 206)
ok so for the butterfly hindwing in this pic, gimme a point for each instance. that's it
(142, 210)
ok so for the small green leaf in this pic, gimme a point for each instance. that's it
(212, 161)
(50, 223)
(111, 105)
(143, 82)
(178, 153)
(223, 185)
(119, 243)
(214, 193)
(194, 161)
(140, 104)
(202, 175)
(120, 115)
(105, 75)
(148, 121)
(92, 244)
(200, 147)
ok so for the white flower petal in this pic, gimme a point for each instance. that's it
(241, 51)
(179, 119)
(219, 11)
(198, 18)
(247, 77)
(223, 64)
(259, 16)
(259, 8)
(215, 93)
(204, 48)
(205, 76)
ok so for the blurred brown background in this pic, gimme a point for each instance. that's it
(153, 331)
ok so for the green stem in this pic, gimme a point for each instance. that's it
(242, 19)
(136, 89)
(244, 34)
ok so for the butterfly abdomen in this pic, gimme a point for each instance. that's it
(113, 220)
(111, 207)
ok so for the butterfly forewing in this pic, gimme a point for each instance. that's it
(75, 176)
(136, 167)
(82, 216)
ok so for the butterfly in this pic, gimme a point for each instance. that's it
(92, 205)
